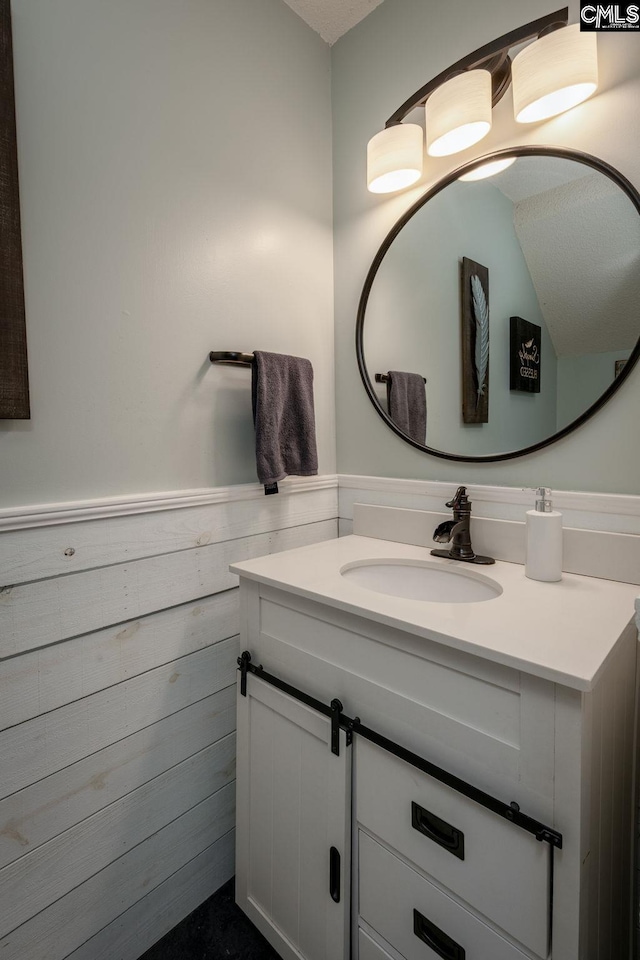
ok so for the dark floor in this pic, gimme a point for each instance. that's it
(217, 930)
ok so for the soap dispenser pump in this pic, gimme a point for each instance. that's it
(544, 539)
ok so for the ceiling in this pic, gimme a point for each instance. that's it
(332, 18)
(579, 234)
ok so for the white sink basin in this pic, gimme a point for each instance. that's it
(421, 580)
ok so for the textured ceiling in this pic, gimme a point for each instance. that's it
(332, 18)
(537, 175)
(580, 241)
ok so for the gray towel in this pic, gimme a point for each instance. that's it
(282, 398)
(407, 401)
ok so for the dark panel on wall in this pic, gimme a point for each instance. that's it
(475, 330)
(14, 382)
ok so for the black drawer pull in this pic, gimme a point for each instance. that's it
(436, 939)
(437, 830)
(334, 874)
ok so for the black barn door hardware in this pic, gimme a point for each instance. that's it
(333, 712)
(243, 663)
(509, 811)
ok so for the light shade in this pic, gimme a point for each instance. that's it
(554, 73)
(458, 113)
(394, 158)
(488, 169)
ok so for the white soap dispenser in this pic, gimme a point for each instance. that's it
(544, 539)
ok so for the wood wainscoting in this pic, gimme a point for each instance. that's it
(118, 646)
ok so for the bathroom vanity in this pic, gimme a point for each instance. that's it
(471, 795)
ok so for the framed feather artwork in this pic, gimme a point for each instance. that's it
(475, 341)
(524, 355)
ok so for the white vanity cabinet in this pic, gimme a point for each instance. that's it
(434, 873)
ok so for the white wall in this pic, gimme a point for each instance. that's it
(175, 179)
(400, 46)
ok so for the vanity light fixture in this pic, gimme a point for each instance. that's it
(394, 158)
(458, 114)
(555, 72)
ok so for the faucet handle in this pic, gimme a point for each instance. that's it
(459, 499)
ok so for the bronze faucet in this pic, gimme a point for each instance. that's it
(458, 530)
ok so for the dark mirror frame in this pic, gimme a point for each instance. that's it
(523, 151)
(14, 378)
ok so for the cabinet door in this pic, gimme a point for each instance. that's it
(293, 825)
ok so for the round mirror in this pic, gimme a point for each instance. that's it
(507, 305)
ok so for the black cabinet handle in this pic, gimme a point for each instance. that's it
(334, 874)
(441, 832)
(436, 939)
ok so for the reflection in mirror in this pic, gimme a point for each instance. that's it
(560, 241)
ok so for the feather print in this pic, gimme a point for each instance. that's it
(481, 313)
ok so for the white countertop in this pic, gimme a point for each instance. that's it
(560, 631)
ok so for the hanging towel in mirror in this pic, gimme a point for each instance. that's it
(283, 415)
(407, 401)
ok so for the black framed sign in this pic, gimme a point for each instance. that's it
(524, 355)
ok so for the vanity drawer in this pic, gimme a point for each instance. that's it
(368, 949)
(417, 918)
(497, 868)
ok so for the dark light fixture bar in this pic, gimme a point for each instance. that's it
(493, 57)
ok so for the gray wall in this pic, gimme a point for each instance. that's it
(175, 176)
(376, 66)
(581, 380)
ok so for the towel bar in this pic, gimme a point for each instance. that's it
(383, 378)
(231, 358)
